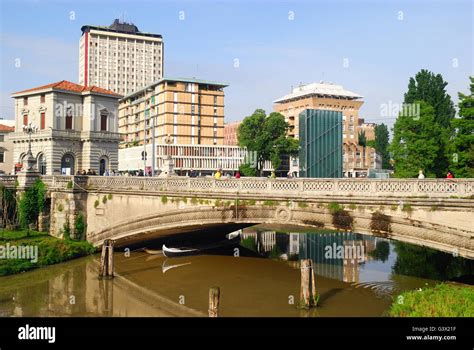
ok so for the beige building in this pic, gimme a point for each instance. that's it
(119, 57)
(336, 98)
(174, 111)
(6, 147)
(230, 133)
(76, 128)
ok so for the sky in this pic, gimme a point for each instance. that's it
(260, 48)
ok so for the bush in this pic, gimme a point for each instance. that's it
(80, 226)
(443, 300)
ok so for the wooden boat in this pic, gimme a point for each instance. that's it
(186, 251)
(152, 251)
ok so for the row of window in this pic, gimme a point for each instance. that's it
(42, 99)
(69, 123)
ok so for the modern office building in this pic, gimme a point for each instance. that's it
(77, 128)
(174, 111)
(205, 159)
(119, 57)
(230, 133)
(327, 96)
(320, 134)
(6, 146)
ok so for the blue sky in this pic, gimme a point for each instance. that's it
(383, 42)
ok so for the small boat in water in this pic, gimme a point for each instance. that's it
(186, 251)
(152, 251)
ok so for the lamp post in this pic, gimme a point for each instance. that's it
(30, 160)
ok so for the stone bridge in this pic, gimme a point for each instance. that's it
(437, 213)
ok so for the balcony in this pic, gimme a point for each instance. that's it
(48, 134)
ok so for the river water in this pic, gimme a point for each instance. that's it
(356, 275)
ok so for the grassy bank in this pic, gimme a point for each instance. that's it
(50, 250)
(442, 300)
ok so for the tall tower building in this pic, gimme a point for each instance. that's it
(119, 57)
(322, 96)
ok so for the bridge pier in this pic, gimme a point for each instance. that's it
(65, 209)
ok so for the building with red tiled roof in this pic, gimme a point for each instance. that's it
(77, 127)
(6, 148)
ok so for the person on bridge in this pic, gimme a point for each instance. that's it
(450, 175)
(218, 174)
(420, 174)
(237, 174)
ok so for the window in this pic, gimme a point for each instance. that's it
(2, 157)
(2, 138)
(42, 98)
(69, 119)
(103, 122)
(43, 121)
(25, 101)
(25, 120)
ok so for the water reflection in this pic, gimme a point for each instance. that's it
(260, 282)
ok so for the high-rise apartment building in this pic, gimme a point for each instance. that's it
(119, 57)
(174, 111)
(322, 96)
(231, 133)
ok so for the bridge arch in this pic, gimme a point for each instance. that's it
(315, 216)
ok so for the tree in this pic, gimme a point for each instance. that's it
(265, 137)
(381, 144)
(431, 88)
(415, 143)
(31, 204)
(462, 145)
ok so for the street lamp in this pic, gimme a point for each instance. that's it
(30, 160)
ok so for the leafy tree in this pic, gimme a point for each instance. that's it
(381, 144)
(462, 145)
(431, 88)
(265, 137)
(247, 170)
(416, 143)
(31, 204)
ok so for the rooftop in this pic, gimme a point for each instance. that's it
(181, 80)
(119, 27)
(65, 85)
(319, 89)
(6, 128)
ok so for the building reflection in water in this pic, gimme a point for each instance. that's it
(336, 255)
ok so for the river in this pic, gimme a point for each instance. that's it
(259, 277)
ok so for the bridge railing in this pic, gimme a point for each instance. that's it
(461, 188)
(251, 185)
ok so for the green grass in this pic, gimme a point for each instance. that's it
(443, 300)
(270, 203)
(51, 250)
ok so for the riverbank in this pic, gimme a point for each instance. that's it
(442, 300)
(21, 251)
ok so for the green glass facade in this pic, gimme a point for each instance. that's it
(320, 137)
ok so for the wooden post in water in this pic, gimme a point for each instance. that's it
(214, 295)
(110, 269)
(305, 294)
(308, 296)
(314, 293)
(103, 259)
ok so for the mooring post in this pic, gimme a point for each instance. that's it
(305, 294)
(103, 259)
(214, 296)
(110, 269)
(314, 293)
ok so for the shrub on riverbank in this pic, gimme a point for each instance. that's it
(51, 250)
(443, 300)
